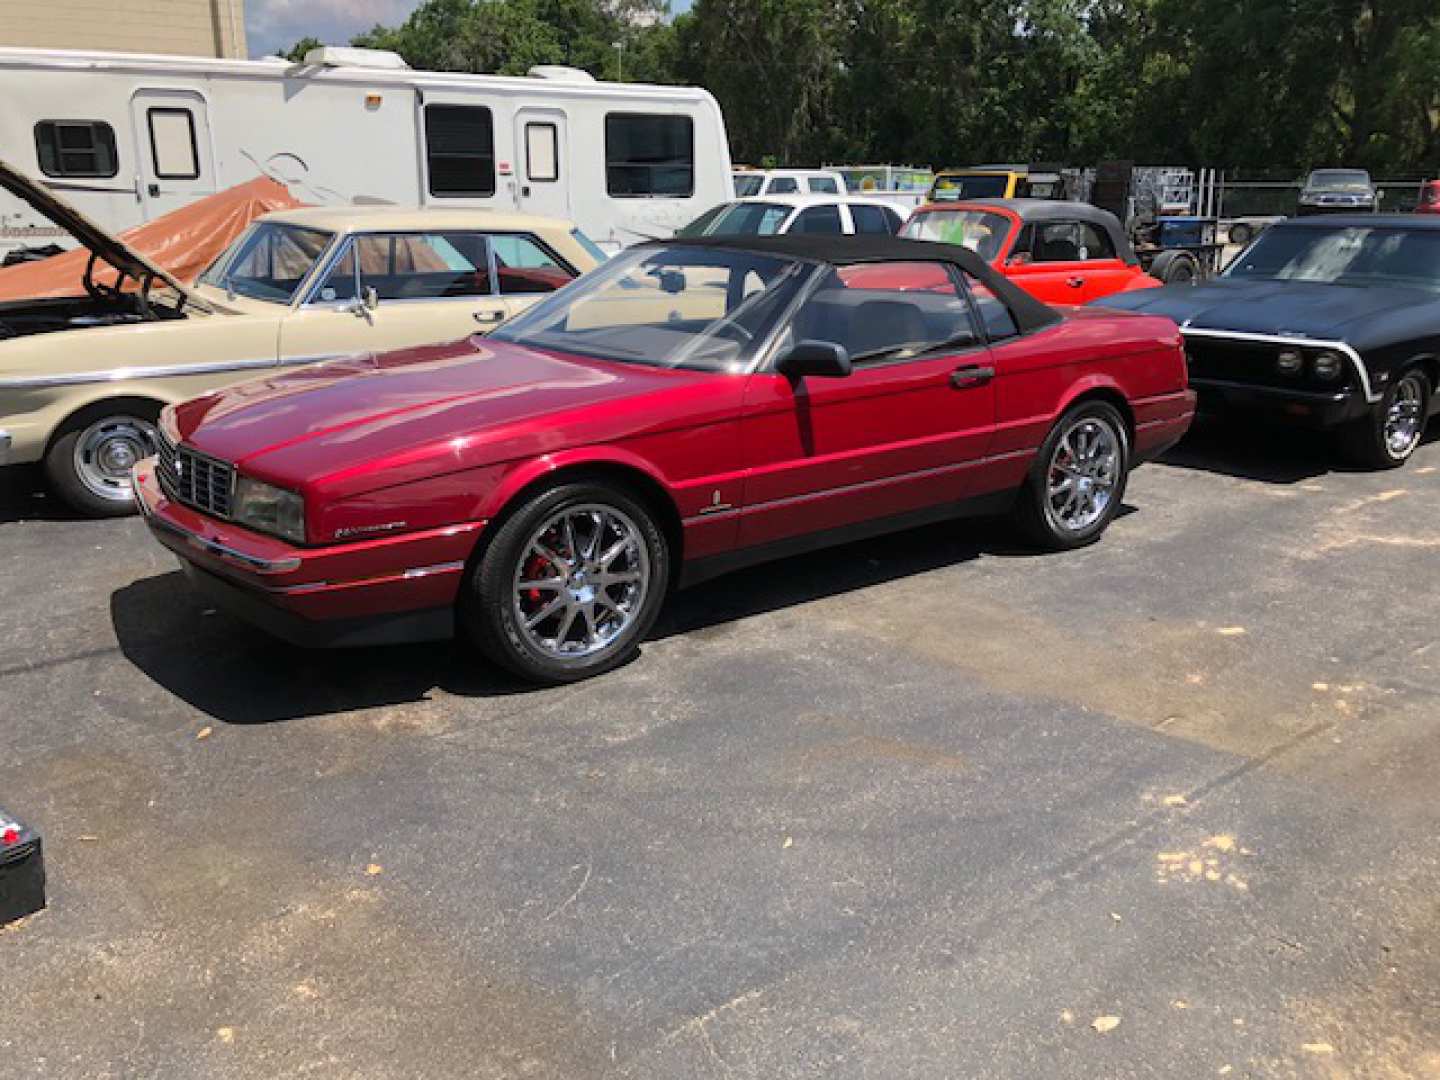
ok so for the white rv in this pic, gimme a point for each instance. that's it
(128, 137)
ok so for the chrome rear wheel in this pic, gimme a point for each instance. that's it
(1082, 472)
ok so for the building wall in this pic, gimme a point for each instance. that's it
(190, 27)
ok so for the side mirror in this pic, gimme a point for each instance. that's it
(824, 359)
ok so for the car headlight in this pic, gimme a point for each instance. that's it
(268, 509)
(1328, 365)
(1289, 361)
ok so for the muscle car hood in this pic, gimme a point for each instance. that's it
(404, 414)
(104, 244)
(1299, 308)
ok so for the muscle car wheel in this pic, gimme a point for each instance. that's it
(1078, 479)
(1391, 433)
(89, 464)
(569, 584)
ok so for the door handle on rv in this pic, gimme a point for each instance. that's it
(1075, 282)
(486, 316)
(971, 375)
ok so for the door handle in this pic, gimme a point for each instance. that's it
(1075, 282)
(486, 316)
(971, 375)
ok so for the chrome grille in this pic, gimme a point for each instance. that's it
(198, 482)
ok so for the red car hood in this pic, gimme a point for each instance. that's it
(469, 397)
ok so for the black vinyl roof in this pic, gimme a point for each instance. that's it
(841, 250)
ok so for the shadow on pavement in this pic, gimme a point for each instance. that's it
(239, 675)
(1273, 454)
(23, 497)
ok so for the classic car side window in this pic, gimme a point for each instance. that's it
(995, 314)
(1057, 241)
(424, 266)
(887, 312)
(340, 281)
(818, 219)
(1095, 242)
(523, 266)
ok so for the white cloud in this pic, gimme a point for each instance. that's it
(272, 25)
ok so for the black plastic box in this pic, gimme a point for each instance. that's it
(22, 870)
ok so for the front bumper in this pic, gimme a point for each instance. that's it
(382, 591)
(1302, 407)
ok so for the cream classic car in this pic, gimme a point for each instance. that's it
(297, 287)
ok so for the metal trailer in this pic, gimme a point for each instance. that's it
(1171, 213)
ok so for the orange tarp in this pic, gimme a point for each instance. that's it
(183, 242)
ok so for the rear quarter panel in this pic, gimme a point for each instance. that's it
(1135, 358)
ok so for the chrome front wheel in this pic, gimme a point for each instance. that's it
(107, 450)
(1405, 417)
(569, 583)
(581, 581)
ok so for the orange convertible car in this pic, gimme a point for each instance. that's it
(1059, 252)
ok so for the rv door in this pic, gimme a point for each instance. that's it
(542, 168)
(176, 163)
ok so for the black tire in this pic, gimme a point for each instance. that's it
(73, 464)
(1035, 518)
(1368, 442)
(1182, 271)
(491, 606)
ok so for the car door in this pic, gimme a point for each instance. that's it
(1046, 262)
(896, 435)
(426, 287)
(1104, 271)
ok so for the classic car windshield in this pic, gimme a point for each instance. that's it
(954, 187)
(739, 219)
(679, 307)
(269, 261)
(1339, 180)
(980, 230)
(1344, 256)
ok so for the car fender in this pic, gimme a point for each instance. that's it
(526, 473)
(1097, 384)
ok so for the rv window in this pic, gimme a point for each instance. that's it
(523, 266)
(172, 144)
(424, 266)
(649, 155)
(460, 150)
(542, 153)
(76, 148)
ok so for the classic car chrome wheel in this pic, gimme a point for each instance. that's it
(1080, 479)
(1077, 480)
(581, 582)
(1405, 418)
(106, 451)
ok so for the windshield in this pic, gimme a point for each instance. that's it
(748, 184)
(270, 261)
(1339, 180)
(952, 188)
(739, 219)
(675, 307)
(981, 231)
(1344, 256)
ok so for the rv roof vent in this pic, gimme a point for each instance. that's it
(560, 73)
(348, 56)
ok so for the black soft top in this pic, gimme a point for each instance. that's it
(1028, 210)
(840, 250)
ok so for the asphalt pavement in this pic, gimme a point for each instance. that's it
(926, 806)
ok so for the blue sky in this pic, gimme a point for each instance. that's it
(274, 25)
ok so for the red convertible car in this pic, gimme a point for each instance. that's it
(1058, 251)
(688, 407)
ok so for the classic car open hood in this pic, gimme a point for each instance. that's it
(332, 417)
(1299, 308)
(105, 245)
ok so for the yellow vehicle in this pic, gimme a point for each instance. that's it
(996, 182)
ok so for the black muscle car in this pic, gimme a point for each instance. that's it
(1332, 322)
